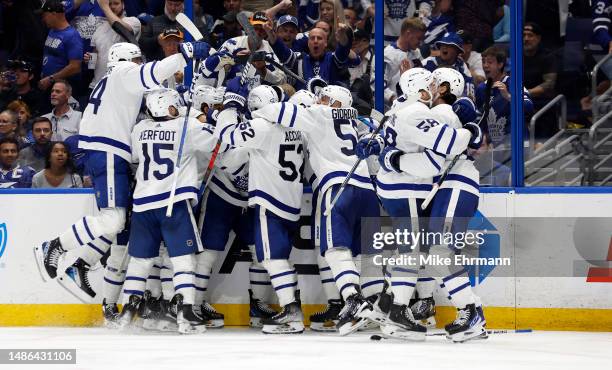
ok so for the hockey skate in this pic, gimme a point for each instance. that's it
(166, 317)
(213, 318)
(424, 311)
(188, 321)
(326, 320)
(354, 315)
(76, 281)
(381, 305)
(402, 325)
(289, 321)
(129, 311)
(469, 324)
(258, 311)
(111, 314)
(47, 257)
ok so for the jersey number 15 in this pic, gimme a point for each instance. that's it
(158, 159)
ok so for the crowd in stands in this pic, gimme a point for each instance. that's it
(52, 54)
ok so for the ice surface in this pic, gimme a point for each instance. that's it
(242, 348)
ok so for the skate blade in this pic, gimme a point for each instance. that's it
(324, 327)
(395, 332)
(166, 326)
(370, 325)
(353, 326)
(255, 322)
(187, 328)
(215, 324)
(288, 328)
(377, 318)
(471, 334)
(111, 324)
(67, 283)
(40, 263)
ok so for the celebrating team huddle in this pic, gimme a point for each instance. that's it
(236, 159)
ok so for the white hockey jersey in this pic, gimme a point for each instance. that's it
(463, 175)
(276, 158)
(115, 102)
(425, 141)
(230, 180)
(331, 134)
(155, 147)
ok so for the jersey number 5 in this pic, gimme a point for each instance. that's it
(290, 172)
(158, 159)
(351, 136)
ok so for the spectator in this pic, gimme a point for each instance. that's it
(63, 52)
(225, 29)
(351, 17)
(396, 11)
(8, 125)
(34, 155)
(104, 37)
(450, 47)
(478, 17)
(59, 170)
(361, 76)
(23, 32)
(150, 41)
(287, 30)
(170, 40)
(65, 120)
(602, 16)
(403, 54)
(20, 87)
(317, 62)
(501, 31)
(12, 175)
(440, 22)
(473, 59)
(24, 129)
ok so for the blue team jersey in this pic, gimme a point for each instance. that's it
(18, 177)
(601, 11)
(432, 63)
(61, 46)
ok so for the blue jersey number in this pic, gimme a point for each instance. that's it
(427, 124)
(96, 95)
(290, 172)
(158, 159)
(351, 136)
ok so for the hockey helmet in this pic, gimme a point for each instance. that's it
(415, 80)
(452, 77)
(123, 51)
(159, 102)
(303, 97)
(263, 95)
(337, 93)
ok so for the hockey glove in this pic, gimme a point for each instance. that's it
(369, 146)
(476, 140)
(465, 109)
(218, 60)
(315, 84)
(194, 50)
(389, 159)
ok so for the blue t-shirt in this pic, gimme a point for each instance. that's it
(18, 177)
(61, 47)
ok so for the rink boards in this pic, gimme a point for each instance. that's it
(559, 245)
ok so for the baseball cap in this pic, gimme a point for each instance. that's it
(172, 32)
(453, 39)
(259, 18)
(52, 6)
(533, 27)
(20, 64)
(287, 19)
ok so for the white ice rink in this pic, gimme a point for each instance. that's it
(241, 348)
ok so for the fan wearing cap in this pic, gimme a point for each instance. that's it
(450, 47)
(287, 29)
(439, 22)
(105, 36)
(19, 80)
(540, 72)
(63, 50)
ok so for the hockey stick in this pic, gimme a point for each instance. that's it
(377, 337)
(189, 27)
(252, 38)
(448, 169)
(382, 119)
(125, 33)
(285, 69)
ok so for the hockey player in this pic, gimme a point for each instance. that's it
(415, 144)
(105, 132)
(275, 190)
(331, 135)
(155, 142)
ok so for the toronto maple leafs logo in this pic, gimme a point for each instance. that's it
(398, 9)
(497, 127)
(241, 183)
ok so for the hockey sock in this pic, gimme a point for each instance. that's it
(283, 278)
(344, 270)
(154, 279)
(372, 280)
(114, 273)
(107, 224)
(136, 279)
(327, 279)
(403, 281)
(205, 262)
(259, 279)
(425, 287)
(165, 273)
(459, 289)
(184, 277)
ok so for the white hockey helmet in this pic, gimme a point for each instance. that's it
(337, 93)
(123, 51)
(415, 80)
(159, 102)
(453, 78)
(303, 97)
(207, 94)
(263, 95)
